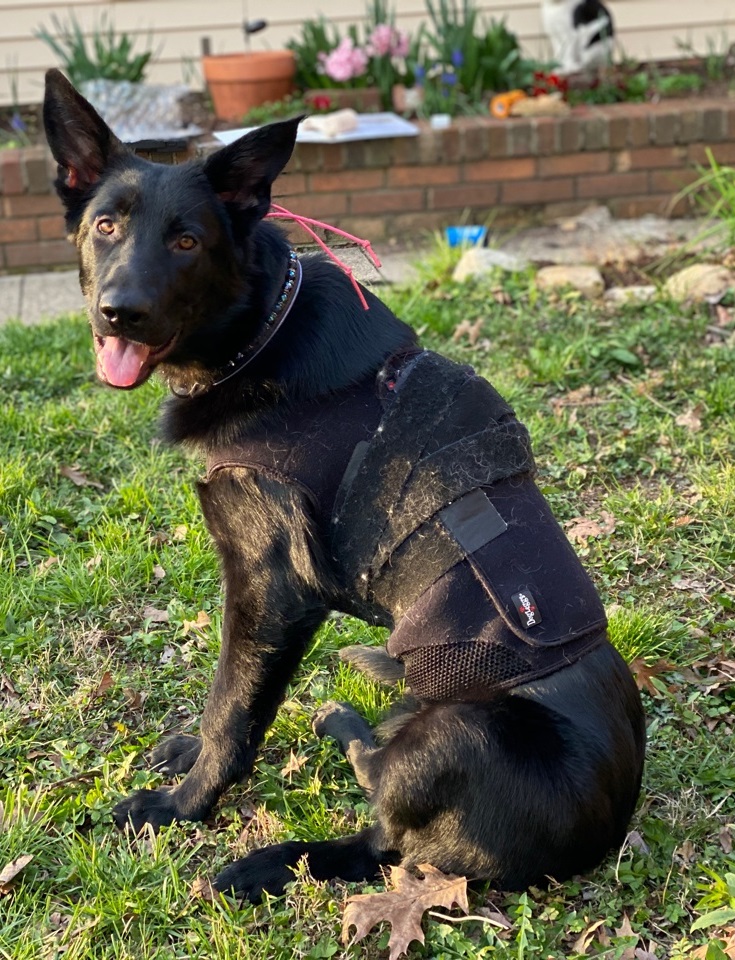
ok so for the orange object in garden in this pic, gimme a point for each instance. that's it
(240, 81)
(501, 103)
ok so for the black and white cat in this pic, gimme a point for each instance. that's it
(581, 33)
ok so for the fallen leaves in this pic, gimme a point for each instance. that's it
(470, 330)
(404, 906)
(199, 625)
(10, 871)
(581, 529)
(102, 687)
(644, 674)
(294, 765)
(691, 419)
(78, 478)
(154, 615)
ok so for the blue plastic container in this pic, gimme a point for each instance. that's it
(465, 236)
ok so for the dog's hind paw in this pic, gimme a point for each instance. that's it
(342, 722)
(176, 755)
(156, 807)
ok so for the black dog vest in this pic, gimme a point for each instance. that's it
(422, 485)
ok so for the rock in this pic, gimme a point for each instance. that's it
(634, 294)
(702, 281)
(587, 280)
(480, 260)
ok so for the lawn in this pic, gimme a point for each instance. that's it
(110, 614)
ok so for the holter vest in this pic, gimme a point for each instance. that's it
(421, 485)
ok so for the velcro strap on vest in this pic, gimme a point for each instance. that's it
(445, 434)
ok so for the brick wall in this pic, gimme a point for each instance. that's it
(634, 158)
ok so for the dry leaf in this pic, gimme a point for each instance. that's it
(636, 842)
(691, 418)
(687, 851)
(78, 478)
(46, 564)
(158, 572)
(471, 330)
(580, 529)
(102, 687)
(404, 906)
(180, 532)
(726, 840)
(199, 624)
(643, 673)
(585, 938)
(134, 699)
(154, 615)
(294, 765)
(202, 889)
(11, 871)
(167, 655)
(93, 562)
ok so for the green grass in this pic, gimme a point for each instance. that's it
(79, 567)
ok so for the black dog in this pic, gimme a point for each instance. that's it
(348, 469)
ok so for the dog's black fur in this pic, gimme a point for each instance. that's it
(539, 781)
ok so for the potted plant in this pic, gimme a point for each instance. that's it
(238, 82)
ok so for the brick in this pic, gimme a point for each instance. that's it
(49, 228)
(378, 153)
(612, 185)
(713, 125)
(406, 150)
(11, 173)
(308, 157)
(547, 135)
(476, 142)
(46, 253)
(730, 113)
(423, 176)
(347, 180)
(520, 138)
(481, 171)
(639, 131)
(430, 147)
(567, 165)
(571, 135)
(35, 162)
(463, 195)
(333, 156)
(671, 181)
(355, 155)
(450, 144)
(651, 158)
(411, 224)
(289, 184)
(665, 128)
(538, 191)
(595, 133)
(617, 132)
(30, 205)
(386, 201)
(319, 206)
(691, 125)
(497, 139)
(369, 228)
(16, 231)
(722, 152)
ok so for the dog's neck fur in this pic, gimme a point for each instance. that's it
(328, 342)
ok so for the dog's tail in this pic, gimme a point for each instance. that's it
(376, 662)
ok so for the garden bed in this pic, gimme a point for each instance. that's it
(632, 157)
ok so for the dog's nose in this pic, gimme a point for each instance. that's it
(121, 313)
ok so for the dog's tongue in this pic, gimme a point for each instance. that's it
(121, 360)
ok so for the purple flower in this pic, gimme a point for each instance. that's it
(457, 58)
(419, 75)
(449, 79)
(16, 122)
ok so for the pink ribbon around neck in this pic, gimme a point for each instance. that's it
(307, 224)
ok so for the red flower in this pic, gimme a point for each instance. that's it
(321, 102)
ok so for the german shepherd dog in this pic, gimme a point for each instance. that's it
(511, 782)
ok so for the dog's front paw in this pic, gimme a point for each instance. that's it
(176, 755)
(267, 870)
(156, 807)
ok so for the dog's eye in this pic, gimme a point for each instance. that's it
(186, 242)
(105, 226)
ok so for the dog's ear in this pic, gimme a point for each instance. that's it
(243, 172)
(80, 140)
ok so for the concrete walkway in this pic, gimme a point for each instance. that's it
(34, 297)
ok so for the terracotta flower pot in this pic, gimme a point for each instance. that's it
(240, 81)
